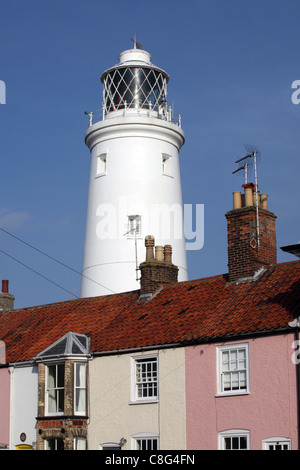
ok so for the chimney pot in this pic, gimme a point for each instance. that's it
(248, 196)
(149, 244)
(237, 200)
(264, 201)
(159, 253)
(5, 286)
(168, 253)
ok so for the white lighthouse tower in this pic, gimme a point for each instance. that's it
(134, 187)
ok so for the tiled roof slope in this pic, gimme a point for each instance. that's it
(197, 310)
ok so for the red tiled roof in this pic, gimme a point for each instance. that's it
(197, 310)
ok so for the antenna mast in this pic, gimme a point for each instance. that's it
(135, 230)
(252, 155)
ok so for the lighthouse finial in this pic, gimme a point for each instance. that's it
(136, 44)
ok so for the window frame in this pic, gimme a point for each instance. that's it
(277, 440)
(135, 398)
(166, 161)
(145, 437)
(111, 446)
(55, 440)
(234, 433)
(56, 388)
(134, 226)
(220, 373)
(76, 441)
(101, 162)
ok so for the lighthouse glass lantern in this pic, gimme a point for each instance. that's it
(133, 84)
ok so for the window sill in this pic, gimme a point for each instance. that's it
(232, 394)
(143, 402)
(62, 416)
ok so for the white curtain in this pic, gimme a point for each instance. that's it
(80, 388)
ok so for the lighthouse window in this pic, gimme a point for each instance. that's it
(101, 164)
(134, 226)
(166, 164)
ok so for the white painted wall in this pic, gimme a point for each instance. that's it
(113, 416)
(24, 399)
(133, 184)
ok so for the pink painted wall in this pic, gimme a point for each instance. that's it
(4, 405)
(269, 410)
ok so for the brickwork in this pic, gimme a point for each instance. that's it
(6, 302)
(244, 256)
(155, 274)
(41, 389)
(66, 429)
(157, 270)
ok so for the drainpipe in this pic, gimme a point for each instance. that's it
(11, 371)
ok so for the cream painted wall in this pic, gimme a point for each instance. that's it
(114, 416)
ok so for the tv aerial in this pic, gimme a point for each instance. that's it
(248, 163)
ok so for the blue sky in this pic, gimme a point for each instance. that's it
(231, 65)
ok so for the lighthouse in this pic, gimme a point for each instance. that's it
(134, 186)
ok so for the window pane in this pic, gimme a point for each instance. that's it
(80, 388)
(60, 403)
(242, 380)
(233, 360)
(80, 443)
(225, 361)
(50, 444)
(227, 443)
(235, 443)
(60, 375)
(242, 359)
(52, 401)
(80, 375)
(235, 381)
(80, 400)
(243, 442)
(51, 376)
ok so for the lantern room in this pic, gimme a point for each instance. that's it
(134, 83)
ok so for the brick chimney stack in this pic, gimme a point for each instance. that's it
(158, 268)
(251, 234)
(6, 299)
